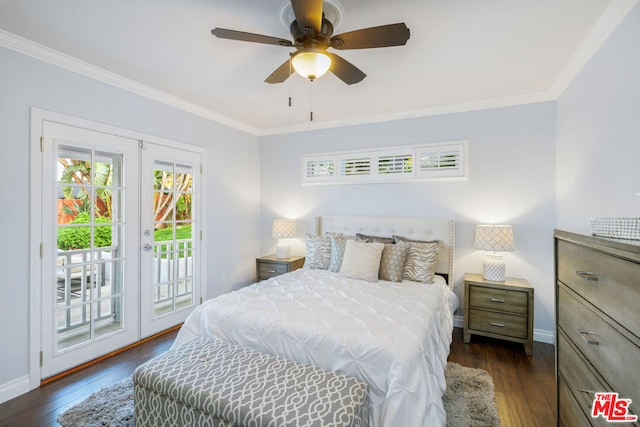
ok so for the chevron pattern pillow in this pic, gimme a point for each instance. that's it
(318, 252)
(420, 265)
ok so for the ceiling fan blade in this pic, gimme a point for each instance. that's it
(345, 70)
(308, 14)
(281, 73)
(249, 37)
(366, 38)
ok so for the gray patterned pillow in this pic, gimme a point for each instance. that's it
(338, 243)
(318, 252)
(373, 239)
(420, 265)
(392, 262)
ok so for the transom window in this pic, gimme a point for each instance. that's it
(408, 163)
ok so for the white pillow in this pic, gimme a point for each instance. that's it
(361, 260)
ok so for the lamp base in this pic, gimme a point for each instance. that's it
(493, 268)
(283, 250)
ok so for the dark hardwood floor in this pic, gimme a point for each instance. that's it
(41, 406)
(524, 386)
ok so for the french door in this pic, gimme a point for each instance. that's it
(170, 238)
(120, 251)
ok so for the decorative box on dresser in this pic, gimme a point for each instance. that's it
(501, 310)
(269, 266)
(597, 324)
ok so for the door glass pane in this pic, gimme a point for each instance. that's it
(89, 281)
(173, 237)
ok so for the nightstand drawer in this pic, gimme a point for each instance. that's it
(267, 270)
(498, 323)
(499, 299)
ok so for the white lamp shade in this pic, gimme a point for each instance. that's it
(284, 228)
(311, 63)
(494, 238)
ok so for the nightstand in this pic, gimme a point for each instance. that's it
(270, 266)
(501, 310)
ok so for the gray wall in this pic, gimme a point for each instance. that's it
(233, 212)
(598, 140)
(511, 180)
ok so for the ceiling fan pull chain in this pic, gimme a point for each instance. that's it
(311, 108)
(290, 71)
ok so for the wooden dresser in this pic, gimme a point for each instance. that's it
(598, 324)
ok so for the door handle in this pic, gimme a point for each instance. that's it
(147, 247)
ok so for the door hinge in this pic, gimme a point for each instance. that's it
(42, 144)
(200, 300)
(200, 234)
(201, 169)
(41, 251)
(41, 357)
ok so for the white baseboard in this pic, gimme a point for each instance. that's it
(539, 335)
(458, 321)
(14, 388)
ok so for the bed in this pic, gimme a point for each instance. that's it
(395, 336)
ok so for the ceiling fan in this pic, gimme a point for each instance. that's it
(312, 35)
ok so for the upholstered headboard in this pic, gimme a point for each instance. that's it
(411, 228)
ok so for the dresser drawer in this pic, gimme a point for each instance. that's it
(611, 354)
(268, 269)
(498, 323)
(578, 376)
(608, 282)
(498, 299)
(569, 413)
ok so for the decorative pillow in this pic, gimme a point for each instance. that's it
(361, 260)
(318, 252)
(420, 265)
(373, 239)
(338, 243)
(392, 261)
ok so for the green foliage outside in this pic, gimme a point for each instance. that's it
(165, 234)
(70, 238)
(80, 237)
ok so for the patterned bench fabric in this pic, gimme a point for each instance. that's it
(213, 383)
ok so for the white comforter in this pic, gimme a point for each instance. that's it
(394, 336)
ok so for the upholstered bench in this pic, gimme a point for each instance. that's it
(208, 382)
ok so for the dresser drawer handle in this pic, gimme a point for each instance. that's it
(497, 300)
(582, 390)
(588, 276)
(272, 271)
(500, 325)
(587, 337)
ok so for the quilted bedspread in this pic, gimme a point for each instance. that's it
(393, 336)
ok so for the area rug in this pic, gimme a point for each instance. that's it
(469, 402)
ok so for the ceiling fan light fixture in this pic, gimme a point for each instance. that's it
(311, 63)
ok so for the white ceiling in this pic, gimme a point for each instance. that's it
(462, 54)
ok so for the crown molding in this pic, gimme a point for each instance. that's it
(531, 98)
(68, 62)
(606, 24)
